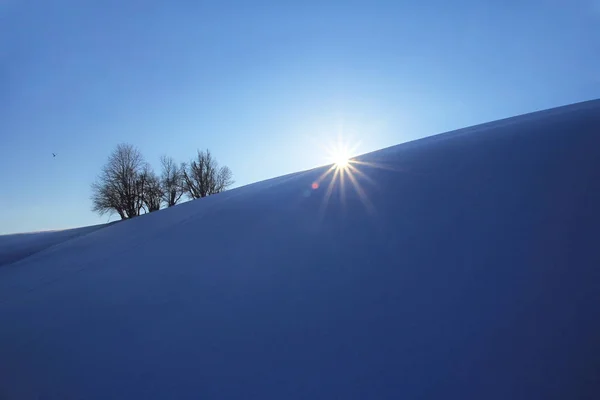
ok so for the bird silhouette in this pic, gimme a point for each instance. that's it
(53, 155)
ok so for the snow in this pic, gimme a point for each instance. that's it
(18, 246)
(467, 266)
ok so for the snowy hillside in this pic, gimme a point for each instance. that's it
(17, 247)
(461, 266)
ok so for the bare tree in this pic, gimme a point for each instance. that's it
(172, 181)
(106, 200)
(203, 176)
(151, 189)
(121, 184)
(223, 180)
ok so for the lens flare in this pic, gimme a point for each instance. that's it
(343, 169)
(340, 157)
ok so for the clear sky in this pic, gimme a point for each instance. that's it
(262, 83)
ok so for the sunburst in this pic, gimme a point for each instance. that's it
(344, 168)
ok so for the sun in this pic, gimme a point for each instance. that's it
(343, 171)
(341, 159)
(340, 156)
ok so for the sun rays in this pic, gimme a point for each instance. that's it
(340, 157)
(345, 175)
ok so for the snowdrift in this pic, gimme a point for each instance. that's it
(18, 246)
(463, 266)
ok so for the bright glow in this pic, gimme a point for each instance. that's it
(340, 154)
(341, 158)
(343, 176)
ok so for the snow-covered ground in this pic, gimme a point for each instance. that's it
(20, 246)
(461, 266)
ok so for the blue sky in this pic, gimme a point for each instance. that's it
(263, 84)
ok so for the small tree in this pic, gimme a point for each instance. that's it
(203, 176)
(121, 184)
(172, 181)
(151, 189)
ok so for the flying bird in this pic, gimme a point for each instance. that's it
(53, 155)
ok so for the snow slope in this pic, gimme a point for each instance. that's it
(18, 246)
(466, 267)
